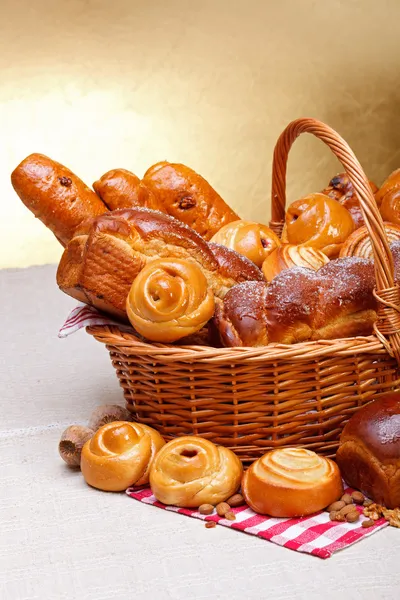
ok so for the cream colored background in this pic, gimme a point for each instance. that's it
(99, 84)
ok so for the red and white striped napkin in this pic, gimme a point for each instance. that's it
(84, 316)
(315, 535)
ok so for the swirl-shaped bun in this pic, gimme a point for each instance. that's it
(190, 471)
(119, 455)
(169, 299)
(253, 240)
(291, 482)
(318, 221)
(288, 256)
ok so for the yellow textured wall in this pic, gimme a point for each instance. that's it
(99, 84)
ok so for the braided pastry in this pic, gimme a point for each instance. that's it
(119, 455)
(169, 299)
(291, 482)
(190, 471)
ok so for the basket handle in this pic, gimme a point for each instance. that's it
(387, 327)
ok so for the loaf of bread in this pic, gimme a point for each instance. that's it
(318, 221)
(253, 240)
(388, 198)
(169, 300)
(336, 301)
(190, 471)
(342, 190)
(171, 188)
(55, 195)
(120, 454)
(103, 259)
(369, 451)
(291, 482)
(288, 256)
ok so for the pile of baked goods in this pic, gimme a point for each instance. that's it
(115, 453)
(167, 254)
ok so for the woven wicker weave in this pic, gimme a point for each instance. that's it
(253, 399)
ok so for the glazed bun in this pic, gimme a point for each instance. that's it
(288, 256)
(388, 198)
(369, 451)
(291, 482)
(253, 240)
(318, 221)
(342, 190)
(190, 471)
(119, 455)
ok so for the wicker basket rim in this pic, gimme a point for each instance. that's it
(111, 335)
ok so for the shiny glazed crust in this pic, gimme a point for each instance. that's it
(388, 198)
(55, 195)
(291, 482)
(288, 256)
(341, 189)
(369, 451)
(119, 455)
(299, 305)
(190, 471)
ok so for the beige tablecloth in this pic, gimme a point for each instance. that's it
(61, 540)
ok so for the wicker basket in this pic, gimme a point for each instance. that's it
(254, 399)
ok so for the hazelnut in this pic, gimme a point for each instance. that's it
(222, 508)
(72, 442)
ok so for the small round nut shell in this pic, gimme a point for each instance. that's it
(206, 509)
(352, 516)
(107, 413)
(236, 500)
(347, 499)
(358, 497)
(71, 443)
(222, 508)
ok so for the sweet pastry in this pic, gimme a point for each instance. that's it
(388, 198)
(341, 189)
(120, 188)
(190, 471)
(235, 266)
(318, 221)
(288, 256)
(299, 304)
(359, 242)
(55, 195)
(291, 482)
(119, 455)
(106, 254)
(184, 194)
(253, 240)
(169, 299)
(369, 451)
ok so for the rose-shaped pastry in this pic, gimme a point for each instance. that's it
(254, 240)
(288, 256)
(291, 482)
(341, 189)
(318, 221)
(388, 198)
(119, 455)
(190, 471)
(169, 300)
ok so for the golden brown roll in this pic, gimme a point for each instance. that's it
(291, 482)
(299, 304)
(120, 188)
(169, 299)
(369, 451)
(388, 198)
(190, 471)
(55, 195)
(341, 189)
(318, 221)
(288, 256)
(184, 194)
(359, 242)
(253, 240)
(235, 266)
(119, 455)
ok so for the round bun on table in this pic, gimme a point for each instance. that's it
(190, 471)
(318, 221)
(291, 482)
(120, 455)
(253, 240)
(169, 299)
(369, 451)
(289, 255)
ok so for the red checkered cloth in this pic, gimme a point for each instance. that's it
(84, 316)
(315, 535)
